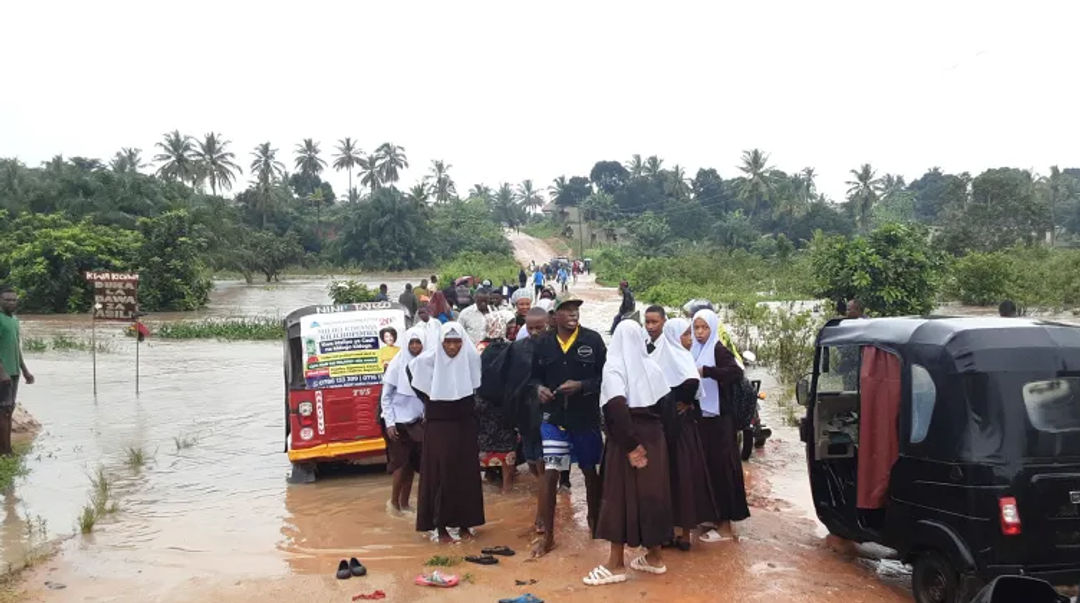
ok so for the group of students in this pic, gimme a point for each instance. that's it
(669, 465)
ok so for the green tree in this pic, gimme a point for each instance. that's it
(636, 166)
(215, 164)
(528, 196)
(651, 233)
(863, 195)
(609, 176)
(348, 156)
(756, 185)
(388, 231)
(177, 158)
(653, 167)
(369, 172)
(569, 193)
(172, 275)
(272, 253)
(894, 271)
(481, 191)
(1004, 210)
(127, 160)
(441, 183)
(267, 171)
(419, 193)
(308, 160)
(505, 209)
(391, 159)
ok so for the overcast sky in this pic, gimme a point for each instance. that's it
(510, 90)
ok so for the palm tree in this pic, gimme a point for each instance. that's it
(127, 159)
(678, 183)
(216, 164)
(756, 184)
(863, 194)
(481, 191)
(808, 186)
(528, 196)
(391, 159)
(505, 208)
(653, 166)
(307, 158)
(177, 158)
(369, 172)
(558, 185)
(419, 193)
(441, 183)
(267, 170)
(317, 199)
(635, 166)
(348, 156)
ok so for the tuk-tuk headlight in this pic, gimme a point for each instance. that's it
(307, 433)
(305, 409)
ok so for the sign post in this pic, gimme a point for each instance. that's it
(116, 297)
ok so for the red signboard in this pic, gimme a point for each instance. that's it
(116, 295)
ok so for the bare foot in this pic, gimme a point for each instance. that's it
(444, 537)
(466, 534)
(541, 547)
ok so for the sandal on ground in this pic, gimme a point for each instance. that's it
(481, 559)
(370, 596)
(641, 564)
(357, 568)
(526, 598)
(601, 576)
(505, 551)
(438, 579)
(343, 571)
(714, 536)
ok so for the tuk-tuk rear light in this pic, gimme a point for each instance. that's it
(307, 433)
(305, 409)
(1010, 516)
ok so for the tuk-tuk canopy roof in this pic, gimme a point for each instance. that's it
(961, 345)
(294, 317)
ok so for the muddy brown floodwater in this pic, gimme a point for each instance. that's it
(216, 521)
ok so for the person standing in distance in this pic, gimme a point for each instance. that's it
(12, 365)
(567, 370)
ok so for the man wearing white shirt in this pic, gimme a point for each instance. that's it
(474, 318)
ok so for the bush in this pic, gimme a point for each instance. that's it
(787, 343)
(893, 271)
(246, 329)
(494, 266)
(984, 279)
(350, 292)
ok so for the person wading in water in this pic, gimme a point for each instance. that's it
(11, 364)
(403, 413)
(567, 369)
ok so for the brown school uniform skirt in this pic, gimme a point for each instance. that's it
(693, 501)
(635, 508)
(405, 450)
(450, 488)
(725, 467)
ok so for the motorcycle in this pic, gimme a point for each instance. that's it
(756, 433)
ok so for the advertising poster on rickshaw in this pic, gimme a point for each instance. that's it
(347, 349)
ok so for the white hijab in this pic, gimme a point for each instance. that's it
(395, 372)
(442, 377)
(432, 332)
(705, 355)
(629, 371)
(675, 360)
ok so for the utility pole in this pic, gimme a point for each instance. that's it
(581, 234)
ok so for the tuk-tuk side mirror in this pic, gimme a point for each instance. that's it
(802, 391)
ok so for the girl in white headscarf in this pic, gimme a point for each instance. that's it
(403, 415)
(691, 491)
(720, 370)
(635, 509)
(446, 378)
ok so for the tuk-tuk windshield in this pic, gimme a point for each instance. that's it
(344, 349)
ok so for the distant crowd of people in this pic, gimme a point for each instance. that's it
(511, 377)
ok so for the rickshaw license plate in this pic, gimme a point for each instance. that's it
(1074, 497)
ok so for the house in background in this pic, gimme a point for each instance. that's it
(579, 231)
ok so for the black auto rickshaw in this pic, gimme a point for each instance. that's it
(954, 441)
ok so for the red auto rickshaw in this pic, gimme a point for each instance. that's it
(335, 356)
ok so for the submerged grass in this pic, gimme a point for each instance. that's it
(232, 329)
(442, 561)
(64, 343)
(13, 465)
(184, 442)
(136, 458)
(101, 501)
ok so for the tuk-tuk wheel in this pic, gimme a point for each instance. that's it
(302, 473)
(934, 579)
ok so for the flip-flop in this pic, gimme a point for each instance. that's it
(641, 564)
(601, 576)
(357, 568)
(438, 579)
(343, 571)
(503, 550)
(526, 598)
(481, 559)
(713, 536)
(369, 596)
(525, 583)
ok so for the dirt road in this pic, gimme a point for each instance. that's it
(216, 522)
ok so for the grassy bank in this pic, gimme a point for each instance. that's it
(228, 329)
(494, 266)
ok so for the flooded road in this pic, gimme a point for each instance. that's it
(210, 516)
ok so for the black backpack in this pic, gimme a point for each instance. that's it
(492, 360)
(745, 397)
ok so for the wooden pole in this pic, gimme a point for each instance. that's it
(93, 345)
